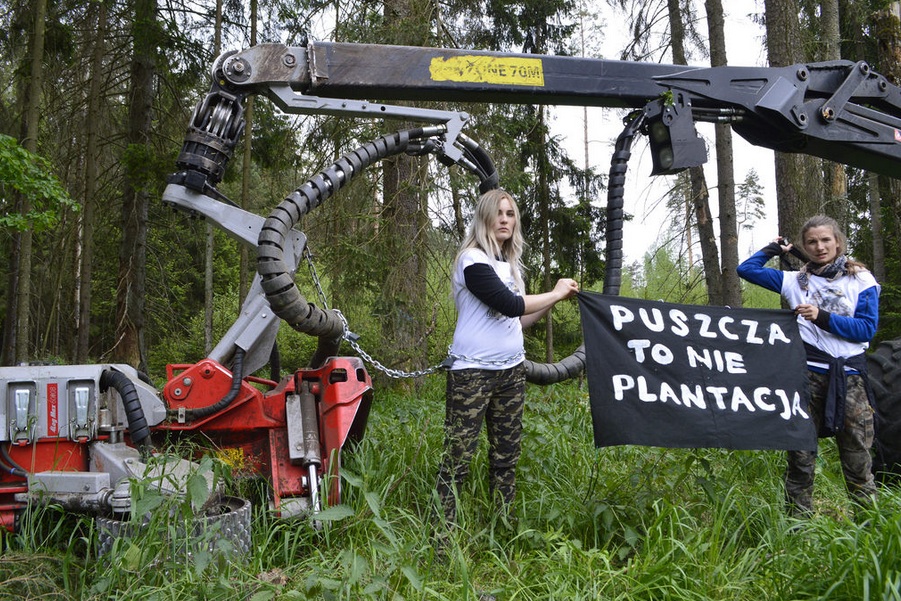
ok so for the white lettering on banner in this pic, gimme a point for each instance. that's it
(726, 332)
(752, 338)
(621, 316)
(660, 353)
(670, 375)
(733, 399)
(705, 320)
(728, 361)
(746, 330)
(657, 324)
(722, 361)
(776, 333)
(680, 323)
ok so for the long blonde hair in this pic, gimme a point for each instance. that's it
(481, 234)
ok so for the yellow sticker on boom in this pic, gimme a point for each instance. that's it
(516, 71)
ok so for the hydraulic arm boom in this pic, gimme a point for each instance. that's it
(837, 110)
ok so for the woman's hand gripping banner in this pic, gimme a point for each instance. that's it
(670, 375)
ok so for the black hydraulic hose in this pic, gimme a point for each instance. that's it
(277, 280)
(275, 363)
(488, 176)
(574, 364)
(134, 412)
(551, 373)
(475, 159)
(9, 465)
(615, 190)
(229, 398)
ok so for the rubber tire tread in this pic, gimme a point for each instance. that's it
(884, 367)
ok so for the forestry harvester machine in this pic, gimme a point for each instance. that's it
(80, 436)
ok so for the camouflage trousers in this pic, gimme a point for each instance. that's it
(854, 442)
(474, 395)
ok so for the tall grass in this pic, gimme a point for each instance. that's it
(623, 523)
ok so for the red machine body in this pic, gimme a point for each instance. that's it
(254, 426)
(252, 433)
(47, 453)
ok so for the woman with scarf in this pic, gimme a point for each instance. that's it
(837, 303)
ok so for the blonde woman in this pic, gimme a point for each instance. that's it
(486, 381)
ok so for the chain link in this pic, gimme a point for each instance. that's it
(491, 362)
(309, 257)
(352, 339)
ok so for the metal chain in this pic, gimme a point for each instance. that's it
(352, 339)
(492, 362)
(309, 257)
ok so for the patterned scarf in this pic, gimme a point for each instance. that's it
(830, 271)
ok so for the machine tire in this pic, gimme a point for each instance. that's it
(225, 519)
(884, 366)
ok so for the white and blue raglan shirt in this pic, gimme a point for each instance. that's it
(848, 306)
(488, 334)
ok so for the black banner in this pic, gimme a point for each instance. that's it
(669, 375)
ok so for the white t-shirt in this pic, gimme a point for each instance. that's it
(839, 297)
(482, 334)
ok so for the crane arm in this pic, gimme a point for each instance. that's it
(838, 110)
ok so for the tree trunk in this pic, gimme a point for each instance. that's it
(132, 274)
(403, 296)
(459, 222)
(836, 181)
(876, 227)
(8, 352)
(404, 216)
(543, 197)
(725, 172)
(91, 169)
(244, 277)
(799, 178)
(885, 197)
(700, 198)
(30, 143)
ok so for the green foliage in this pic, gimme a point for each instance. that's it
(31, 176)
(274, 138)
(183, 342)
(750, 206)
(533, 26)
(860, 242)
(619, 523)
(144, 167)
(889, 313)
(667, 98)
(665, 276)
(578, 229)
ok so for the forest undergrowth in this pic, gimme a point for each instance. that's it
(621, 523)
